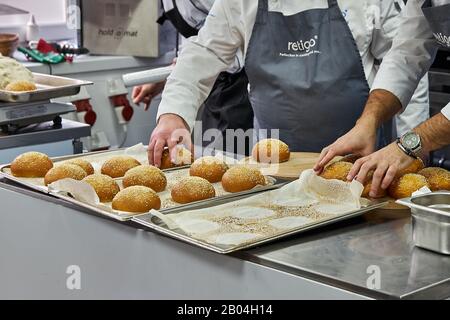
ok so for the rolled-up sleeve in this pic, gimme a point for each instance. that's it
(202, 59)
(410, 57)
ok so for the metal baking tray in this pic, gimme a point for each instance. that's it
(48, 87)
(431, 220)
(276, 183)
(156, 224)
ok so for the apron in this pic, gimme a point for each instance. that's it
(306, 76)
(439, 20)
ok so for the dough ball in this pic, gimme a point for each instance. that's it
(192, 189)
(381, 192)
(438, 178)
(105, 186)
(64, 171)
(21, 86)
(271, 151)
(183, 158)
(116, 167)
(31, 165)
(209, 168)
(85, 165)
(242, 178)
(147, 176)
(136, 199)
(406, 185)
(13, 71)
(337, 170)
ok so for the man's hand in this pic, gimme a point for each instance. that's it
(170, 131)
(146, 93)
(358, 141)
(384, 163)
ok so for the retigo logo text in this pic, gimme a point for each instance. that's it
(302, 45)
(442, 39)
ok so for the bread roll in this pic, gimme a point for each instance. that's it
(271, 151)
(438, 178)
(242, 178)
(406, 185)
(337, 170)
(64, 171)
(116, 167)
(85, 165)
(209, 168)
(147, 176)
(192, 189)
(414, 167)
(183, 157)
(350, 158)
(136, 199)
(19, 86)
(31, 165)
(105, 186)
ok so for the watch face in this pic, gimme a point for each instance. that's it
(411, 141)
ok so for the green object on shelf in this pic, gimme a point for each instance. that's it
(52, 57)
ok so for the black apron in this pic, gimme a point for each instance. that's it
(306, 76)
(438, 18)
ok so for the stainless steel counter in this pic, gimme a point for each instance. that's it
(331, 263)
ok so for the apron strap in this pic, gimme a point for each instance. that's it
(332, 3)
(263, 11)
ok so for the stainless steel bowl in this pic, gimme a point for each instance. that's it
(431, 220)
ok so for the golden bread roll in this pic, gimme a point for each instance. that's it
(116, 167)
(147, 176)
(21, 86)
(136, 199)
(31, 165)
(85, 165)
(242, 178)
(381, 192)
(209, 168)
(64, 171)
(406, 185)
(183, 157)
(337, 170)
(105, 186)
(438, 178)
(414, 167)
(271, 151)
(191, 189)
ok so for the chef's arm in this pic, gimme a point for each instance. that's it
(202, 59)
(435, 133)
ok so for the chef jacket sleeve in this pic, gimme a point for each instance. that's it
(410, 57)
(200, 62)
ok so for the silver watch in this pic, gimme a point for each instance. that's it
(410, 143)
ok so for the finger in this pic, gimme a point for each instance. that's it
(136, 91)
(364, 171)
(150, 150)
(389, 177)
(378, 177)
(317, 168)
(141, 96)
(355, 169)
(157, 152)
(147, 102)
(327, 158)
(172, 145)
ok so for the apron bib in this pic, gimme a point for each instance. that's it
(306, 76)
(439, 20)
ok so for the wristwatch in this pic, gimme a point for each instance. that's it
(410, 143)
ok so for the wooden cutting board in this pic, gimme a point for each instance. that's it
(298, 162)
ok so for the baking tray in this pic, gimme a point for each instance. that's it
(275, 183)
(156, 224)
(48, 87)
(431, 220)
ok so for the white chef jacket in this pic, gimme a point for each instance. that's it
(412, 54)
(229, 27)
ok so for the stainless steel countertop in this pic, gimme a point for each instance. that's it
(340, 255)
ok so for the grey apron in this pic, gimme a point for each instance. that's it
(306, 76)
(438, 18)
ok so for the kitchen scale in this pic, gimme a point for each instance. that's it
(17, 116)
